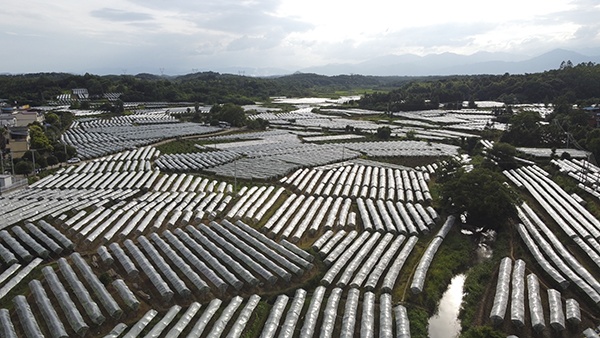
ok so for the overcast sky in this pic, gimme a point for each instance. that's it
(181, 36)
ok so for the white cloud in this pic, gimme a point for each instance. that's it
(70, 35)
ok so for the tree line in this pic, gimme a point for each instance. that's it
(573, 84)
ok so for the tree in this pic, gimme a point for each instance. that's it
(504, 154)
(481, 196)
(52, 119)
(228, 112)
(52, 160)
(384, 133)
(24, 168)
(39, 140)
(258, 124)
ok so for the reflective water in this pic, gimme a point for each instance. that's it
(445, 323)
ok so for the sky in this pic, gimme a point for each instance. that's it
(184, 36)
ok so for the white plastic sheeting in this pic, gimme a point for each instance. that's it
(272, 323)
(255, 263)
(130, 269)
(117, 331)
(26, 318)
(8, 272)
(382, 263)
(139, 326)
(350, 311)
(19, 277)
(177, 261)
(340, 263)
(15, 246)
(198, 251)
(30, 242)
(539, 257)
(421, 270)
(162, 324)
(536, 310)
(446, 227)
(7, 329)
(244, 317)
(573, 312)
(225, 317)
(105, 256)
(185, 319)
(517, 302)
(293, 314)
(64, 301)
(502, 291)
(402, 322)
(255, 247)
(333, 255)
(206, 316)
(390, 278)
(83, 296)
(57, 235)
(53, 322)
(558, 253)
(312, 314)
(330, 244)
(270, 247)
(155, 278)
(373, 258)
(386, 321)
(251, 251)
(330, 313)
(105, 298)
(126, 294)
(557, 316)
(367, 321)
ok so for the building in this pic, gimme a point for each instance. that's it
(27, 117)
(18, 141)
(7, 120)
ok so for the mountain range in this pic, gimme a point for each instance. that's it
(437, 64)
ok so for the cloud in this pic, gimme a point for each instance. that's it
(112, 14)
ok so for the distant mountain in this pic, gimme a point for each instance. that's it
(455, 64)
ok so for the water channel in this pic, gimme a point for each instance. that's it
(445, 323)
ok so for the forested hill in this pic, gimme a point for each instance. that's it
(578, 84)
(206, 87)
(573, 83)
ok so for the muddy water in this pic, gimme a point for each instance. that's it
(445, 323)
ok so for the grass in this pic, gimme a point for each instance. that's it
(454, 256)
(183, 146)
(257, 320)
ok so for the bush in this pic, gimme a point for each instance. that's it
(24, 168)
(52, 160)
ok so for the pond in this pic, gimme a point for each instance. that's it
(445, 323)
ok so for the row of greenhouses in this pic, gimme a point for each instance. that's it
(67, 305)
(376, 183)
(562, 267)
(215, 257)
(510, 288)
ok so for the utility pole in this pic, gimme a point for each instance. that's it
(33, 156)
(235, 176)
(12, 164)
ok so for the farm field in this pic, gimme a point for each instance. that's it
(300, 230)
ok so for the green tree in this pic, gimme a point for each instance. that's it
(52, 119)
(39, 140)
(52, 160)
(228, 112)
(384, 133)
(504, 154)
(481, 196)
(257, 124)
(23, 168)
